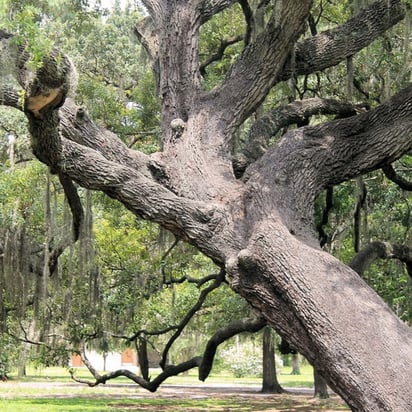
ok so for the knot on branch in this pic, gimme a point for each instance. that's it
(178, 127)
(81, 116)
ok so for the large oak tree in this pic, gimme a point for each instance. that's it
(251, 212)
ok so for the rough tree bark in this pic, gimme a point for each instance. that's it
(258, 227)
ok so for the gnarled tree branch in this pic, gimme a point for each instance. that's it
(391, 174)
(244, 325)
(381, 250)
(329, 47)
(267, 126)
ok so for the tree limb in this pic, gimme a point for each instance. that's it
(323, 237)
(146, 33)
(77, 126)
(330, 47)
(211, 7)
(244, 325)
(267, 126)
(204, 362)
(391, 174)
(146, 384)
(307, 160)
(381, 250)
(75, 204)
(203, 295)
(10, 97)
(265, 55)
(224, 44)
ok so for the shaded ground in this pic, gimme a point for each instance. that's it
(177, 398)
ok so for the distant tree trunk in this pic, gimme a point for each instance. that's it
(104, 360)
(141, 347)
(21, 365)
(321, 388)
(295, 364)
(270, 380)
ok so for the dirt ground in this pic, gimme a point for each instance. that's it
(251, 399)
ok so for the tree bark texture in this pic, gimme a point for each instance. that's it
(258, 228)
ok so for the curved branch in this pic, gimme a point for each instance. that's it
(248, 13)
(224, 44)
(267, 126)
(203, 295)
(146, 33)
(391, 174)
(381, 250)
(77, 126)
(330, 47)
(151, 386)
(204, 363)
(211, 7)
(265, 55)
(244, 325)
(75, 204)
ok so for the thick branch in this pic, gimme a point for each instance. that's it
(144, 197)
(309, 159)
(146, 33)
(381, 250)
(266, 56)
(211, 7)
(78, 127)
(271, 123)
(330, 47)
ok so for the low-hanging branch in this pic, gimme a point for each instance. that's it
(74, 202)
(251, 325)
(204, 363)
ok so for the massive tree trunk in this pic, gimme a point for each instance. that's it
(258, 227)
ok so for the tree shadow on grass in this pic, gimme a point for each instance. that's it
(212, 403)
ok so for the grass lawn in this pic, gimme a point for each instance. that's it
(51, 390)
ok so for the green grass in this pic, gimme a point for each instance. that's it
(51, 390)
